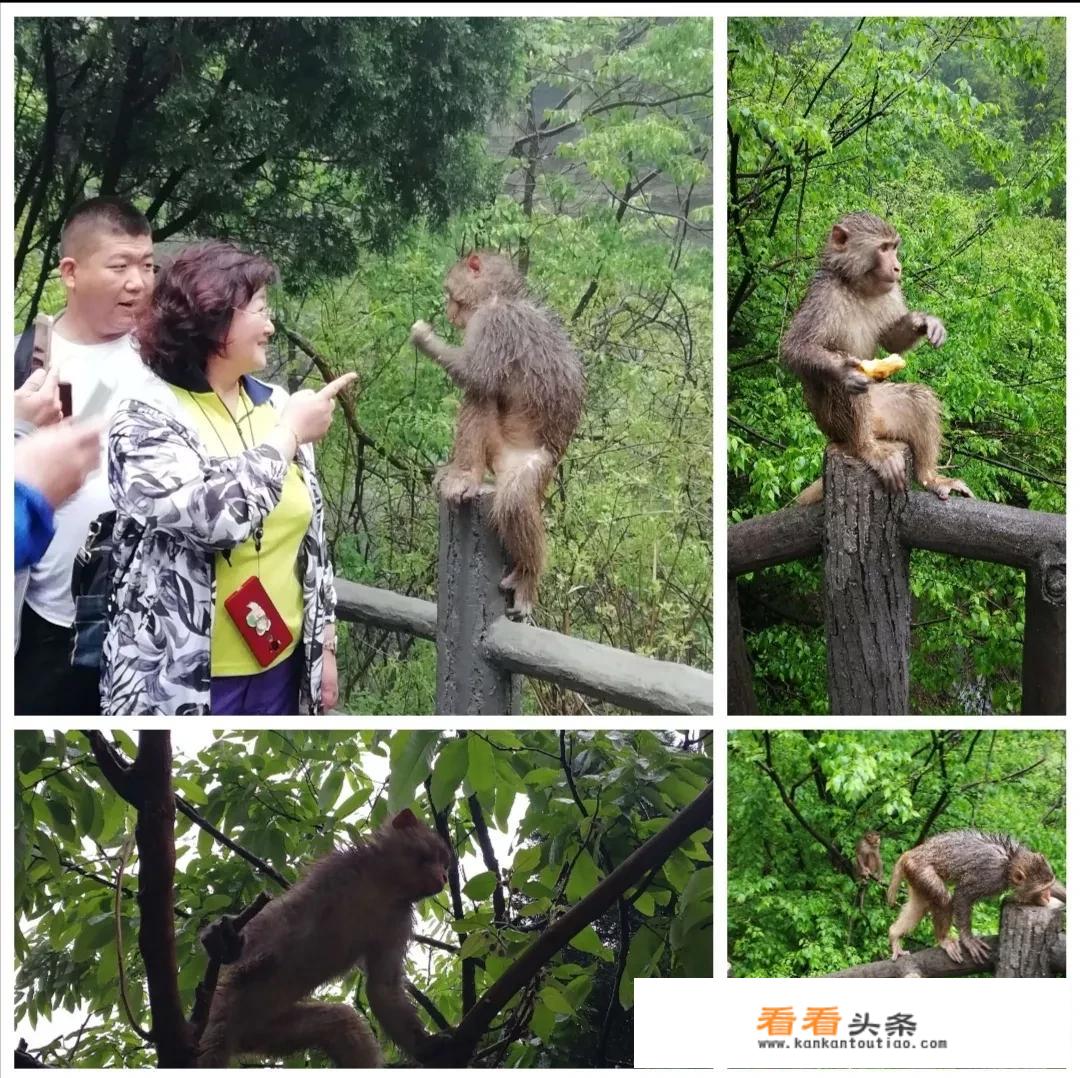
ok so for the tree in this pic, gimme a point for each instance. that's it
(252, 806)
(310, 138)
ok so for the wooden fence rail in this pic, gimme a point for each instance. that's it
(482, 654)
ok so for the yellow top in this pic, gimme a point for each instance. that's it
(275, 564)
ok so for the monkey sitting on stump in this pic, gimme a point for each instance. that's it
(524, 387)
(853, 306)
(353, 906)
(981, 865)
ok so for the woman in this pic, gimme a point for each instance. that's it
(224, 601)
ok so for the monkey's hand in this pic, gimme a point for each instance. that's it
(977, 948)
(443, 1050)
(421, 334)
(851, 375)
(935, 330)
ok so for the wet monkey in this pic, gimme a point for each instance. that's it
(868, 857)
(524, 388)
(354, 906)
(853, 307)
(980, 865)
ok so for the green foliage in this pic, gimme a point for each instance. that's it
(954, 129)
(288, 797)
(793, 906)
(312, 138)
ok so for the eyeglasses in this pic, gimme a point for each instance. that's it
(259, 312)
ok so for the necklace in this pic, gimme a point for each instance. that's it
(257, 535)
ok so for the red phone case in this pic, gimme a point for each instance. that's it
(262, 627)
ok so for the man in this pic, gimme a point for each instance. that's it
(107, 269)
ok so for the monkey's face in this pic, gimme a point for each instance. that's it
(457, 314)
(1033, 882)
(429, 871)
(886, 266)
(873, 838)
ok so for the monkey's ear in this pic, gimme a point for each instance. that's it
(839, 236)
(1016, 875)
(405, 818)
(473, 262)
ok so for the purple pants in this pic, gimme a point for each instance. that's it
(273, 692)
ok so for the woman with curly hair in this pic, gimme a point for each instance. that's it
(225, 600)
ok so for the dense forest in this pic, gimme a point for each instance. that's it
(362, 155)
(537, 820)
(800, 800)
(953, 130)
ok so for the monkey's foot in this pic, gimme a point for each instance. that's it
(952, 948)
(891, 469)
(457, 487)
(899, 952)
(977, 948)
(520, 610)
(510, 581)
(944, 487)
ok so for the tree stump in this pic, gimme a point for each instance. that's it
(867, 597)
(1029, 939)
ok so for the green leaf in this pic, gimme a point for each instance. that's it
(588, 940)
(481, 886)
(555, 1001)
(584, 876)
(410, 764)
(481, 770)
(449, 771)
(330, 790)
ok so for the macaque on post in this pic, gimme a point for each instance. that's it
(854, 306)
(524, 388)
(980, 865)
(354, 906)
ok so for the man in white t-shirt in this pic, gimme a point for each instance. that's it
(107, 268)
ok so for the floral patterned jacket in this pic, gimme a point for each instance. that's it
(177, 506)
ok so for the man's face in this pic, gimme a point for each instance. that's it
(109, 280)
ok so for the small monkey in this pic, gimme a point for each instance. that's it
(524, 387)
(981, 865)
(868, 857)
(853, 306)
(353, 906)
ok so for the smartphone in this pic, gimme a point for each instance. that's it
(42, 354)
(262, 627)
(42, 357)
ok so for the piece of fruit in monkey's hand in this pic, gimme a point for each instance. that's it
(880, 369)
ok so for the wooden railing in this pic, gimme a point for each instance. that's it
(482, 654)
(864, 536)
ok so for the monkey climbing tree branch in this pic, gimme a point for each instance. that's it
(655, 851)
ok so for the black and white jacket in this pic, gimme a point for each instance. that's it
(190, 505)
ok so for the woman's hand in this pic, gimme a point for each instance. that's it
(329, 680)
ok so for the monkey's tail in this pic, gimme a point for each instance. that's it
(813, 493)
(516, 516)
(894, 882)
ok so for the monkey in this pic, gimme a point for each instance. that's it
(524, 389)
(868, 857)
(354, 905)
(853, 306)
(981, 865)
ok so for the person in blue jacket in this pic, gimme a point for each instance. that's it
(50, 465)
